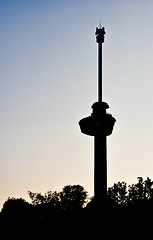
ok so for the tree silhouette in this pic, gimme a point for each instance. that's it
(118, 193)
(14, 205)
(142, 190)
(73, 197)
(48, 197)
(15, 211)
(55, 210)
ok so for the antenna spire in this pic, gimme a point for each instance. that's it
(100, 26)
(100, 32)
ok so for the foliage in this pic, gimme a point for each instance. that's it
(72, 196)
(14, 205)
(118, 192)
(142, 190)
(48, 197)
(66, 208)
(49, 209)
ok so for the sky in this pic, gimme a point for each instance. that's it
(48, 82)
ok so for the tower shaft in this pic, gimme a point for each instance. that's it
(100, 168)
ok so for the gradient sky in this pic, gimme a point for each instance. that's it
(48, 82)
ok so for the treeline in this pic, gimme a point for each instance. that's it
(50, 208)
(72, 209)
(127, 196)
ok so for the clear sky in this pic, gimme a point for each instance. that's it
(48, 82)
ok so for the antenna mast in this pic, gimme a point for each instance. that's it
(100, 32)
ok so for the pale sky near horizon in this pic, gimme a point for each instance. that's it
(48, 82)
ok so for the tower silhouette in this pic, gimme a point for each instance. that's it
(100, 125)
